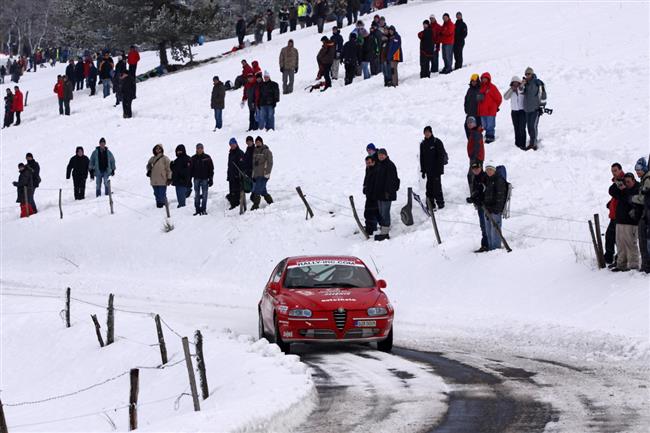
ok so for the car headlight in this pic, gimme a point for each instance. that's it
(300, 312)
(377, 311)
(283, 309)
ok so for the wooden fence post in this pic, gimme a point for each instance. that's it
(433, 221)
(190, 373)
(200, 364)
(161, 340)
(97, 327)
(310, 213)
(110, 195)
(60, 205)
(67, 307)
(133, 399)
(3, 422)
(110, 321)
(26, 97)
(601, 263)
(599, 239)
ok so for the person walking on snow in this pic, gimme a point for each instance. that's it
(516, 96)
(105, 69)
(160, 174)
(17, 104)
(433, 158)
(338, 44)
(234, 173)
(127, 85)
(325, 59)
(181, 169)
(289, 61)
(217, 101)
(489, 100)
(203, 174)
(78, 168)
(262, 167)
(386, 186)
(9, 113)
(610, 233)
(59, 90)
(102, 166)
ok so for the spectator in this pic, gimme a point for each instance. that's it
(447, 41)
(283, 16)
(489, 100)
(353, 11)
(105, 73)
(181, 169)
(436, 34)
(79, 75)
(426, 49)
(460, 33)
(217, 101)
(262, 167)
(269, 97)
(101, 167)
(293, 17)
(340, 7)
(60, 93)
(338, 44)
(477, 191)
(25, 189)
(160, 174)
(533, 89)
(610, 233)
(289, 61)
(78, 168)
(350, 57)
(433, 158)
(132, 58)
(371, 209)
(68, 90)
(270, 23)
(471, 102)
(128, 94)
(642, 199)
(36, 176)
(9, 109)
(240, 30)
(516, 96)
(494, 201)
(320, 14)
(627, 220)
(387, 184)
(92, 78)
(302, 14)
(394, 55)
(325, 58)
(234, 173)
(202, 170)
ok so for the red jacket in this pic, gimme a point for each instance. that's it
(256, 67)
(475, 148)
(133, 57)
(246, 70)
(491, 97)
(437, 35)
(17, 105)
(58, 89)
(447, 34)
(87, 68)
(613, 202)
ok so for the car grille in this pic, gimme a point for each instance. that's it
(340, 317)
(325, 334)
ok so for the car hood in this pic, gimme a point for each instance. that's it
(328, 299)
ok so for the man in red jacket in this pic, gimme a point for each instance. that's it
(447, 41)
(436, 30)
(489, 100)
(17, 104)
(58, 89)
(132, 59)
(610, 233)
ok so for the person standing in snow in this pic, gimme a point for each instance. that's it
(436, 34)
(432, 166)
(217, 101)
(9, 113)
(59, 90)
(240, 30)
(627, 220)
(293, 17)
(471, 102)
(426, 49)
(516, 96)
(69, 71)
(269, 97)
(371, 151)
(78, 167)
(477, 191)
(68, 90)
(127, 84)
(132, 58)
(338, 44)
(325, 58)
(160, 174)
(36, 176)
(247, 163)
(79, 75)
(289, 61)
(25, 189)
(460, 34)
(92, 78)
(447, 41)
(234, 173)
(283, 17)
(371, 208)
(532, 104)
(105, 73)
(251, 97)
(320, 14)
(203, 174)
(386, 186)
(262, 167)
(101, 167)
(181, 169)
(350, 58)
(642, 199)
(610, 233)
(494, 201)
(270, 23)
(489, 100)
(394, 54)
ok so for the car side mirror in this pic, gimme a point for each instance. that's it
(381, 284)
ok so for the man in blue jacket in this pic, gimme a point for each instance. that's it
(102, 166)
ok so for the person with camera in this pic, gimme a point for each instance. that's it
(610, 233)
(516, 96)
(533, 88)
(477, 191)
(627, 220)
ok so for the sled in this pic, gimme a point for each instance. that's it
(406, 213)
(356, 218)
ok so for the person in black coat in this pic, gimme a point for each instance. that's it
(182, 175)
(432, 166)
(127, 83)
(350, 58)
(627, 219)
(79, 75)
(36, 176)
(386, 186)
(371, 209)
(494, 201)
(69, 71)
(203, 172)
(234, 173)
(247, 164)
(269, 97)
(426, 49)
(78, 167)
(9, 114)
(460, 33)
(477, 193)
(240, 30)
(25, 190)
(92, 79)
(471, 102)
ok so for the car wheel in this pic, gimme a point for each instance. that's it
(387, 344)
(260, 326)
(284, 347)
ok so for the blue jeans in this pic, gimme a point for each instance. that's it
(493, 239)
(181, 195)
(447, 56)
(107, 183)
(365, 67)
(267, 117)
(384, 213)
(107, 87)
(388, 73)
(489, 124)
(481, 220)
(200, 194)
(259, 186)
(160, 192)
(218, 118)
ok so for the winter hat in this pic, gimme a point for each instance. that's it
(474, 77)
(78, 149)
(249, 138)
(371, 146)
(29, 155)
(382, 150)
(258, 138)
(180, 148)
(266, 74)
(353, 36)
(515, 79)
(490, 166)
(232, 141)
(324, 39)
(21, 165)
(161, 149)
(641, 165)
(630, 175)
(215, 78)
(199, 145)
(529, 70)
(471, 120)
(102, 140)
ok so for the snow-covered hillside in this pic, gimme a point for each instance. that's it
(208, 273)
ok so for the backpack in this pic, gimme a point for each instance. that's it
(445, 156)
(227, 85)
(503, 173)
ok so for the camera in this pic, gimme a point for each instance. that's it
(548, 110)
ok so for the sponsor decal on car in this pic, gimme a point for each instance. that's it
(339, 300)
(344, 262)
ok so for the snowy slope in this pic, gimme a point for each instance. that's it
(209, 271)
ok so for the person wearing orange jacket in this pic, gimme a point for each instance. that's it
(17, 104)
(489, 100)
(58, 89)
(447, 41)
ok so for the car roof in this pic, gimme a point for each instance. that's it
(293, 261)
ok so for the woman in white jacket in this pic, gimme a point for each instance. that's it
(516, 96)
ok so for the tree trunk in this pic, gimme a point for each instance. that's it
(162, 53)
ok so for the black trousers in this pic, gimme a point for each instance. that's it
(283, 26)
(66, 106)
(371, 215)
(292, 25)
(132, 69)
(234, 188)
(17, 118)
(426, 64)
(268, 35)
(252, 121)
(79, 188)
(240, 39)
(350, 71)
(458, 54)
(610, 242)
(126, 108)
(327, 69)
(519, 123)
(434, 190)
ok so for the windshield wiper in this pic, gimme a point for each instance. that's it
(342, 285)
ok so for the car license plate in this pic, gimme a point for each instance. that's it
(365, 323)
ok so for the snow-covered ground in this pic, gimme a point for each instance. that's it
(547, 296)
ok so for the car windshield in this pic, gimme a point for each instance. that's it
(328, 275)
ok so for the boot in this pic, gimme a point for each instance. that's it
(268, 198)
(383, 234)
(255, 198)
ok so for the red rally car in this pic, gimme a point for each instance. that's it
(328, 299)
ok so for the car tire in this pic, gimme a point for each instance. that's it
(260, 327)
(284, 347)
(387, 344)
